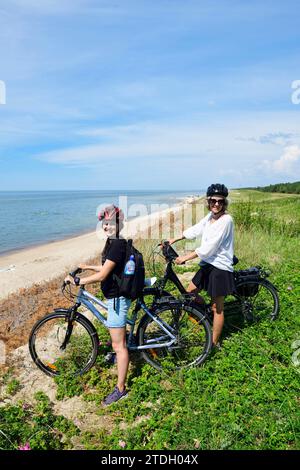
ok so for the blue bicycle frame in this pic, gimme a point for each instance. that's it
(86, 298)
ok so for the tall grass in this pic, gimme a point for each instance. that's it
(249, 215)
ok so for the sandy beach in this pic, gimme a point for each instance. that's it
(45, 262)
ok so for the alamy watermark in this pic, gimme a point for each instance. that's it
(2, 92)
(157, 221)
(296, 94)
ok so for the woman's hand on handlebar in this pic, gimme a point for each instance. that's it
(69, 280)
(188, 257)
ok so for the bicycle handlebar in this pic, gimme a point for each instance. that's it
(168, 252)
(72, 274)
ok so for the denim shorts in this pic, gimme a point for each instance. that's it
(116, 317)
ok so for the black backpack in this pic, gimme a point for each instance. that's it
(131, 286)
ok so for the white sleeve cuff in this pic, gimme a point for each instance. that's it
(198, 252)
(189, 234)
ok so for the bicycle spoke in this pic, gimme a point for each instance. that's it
(47, 341)
(262, 305)
(192, 339)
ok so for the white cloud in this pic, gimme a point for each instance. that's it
(286, 164)
(286, 161)
(276, 138)
(196, 140)
(202, 147)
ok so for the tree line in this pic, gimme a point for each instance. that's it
(289, 188)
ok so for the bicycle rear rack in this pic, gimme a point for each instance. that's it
(183, 299)
(169, 300)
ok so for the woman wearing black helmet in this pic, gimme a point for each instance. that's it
(216, 252)
(113, 260)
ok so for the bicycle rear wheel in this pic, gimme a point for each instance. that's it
(193, 338)
(259, 300)
(59, 347)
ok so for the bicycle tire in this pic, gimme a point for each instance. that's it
(49, 368)
(258, 306)
(152, 355)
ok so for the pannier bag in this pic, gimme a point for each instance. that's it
(132, 285)
(242, 277)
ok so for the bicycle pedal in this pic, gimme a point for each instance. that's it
(110, 358)
(131, 339)
(208, 311)
(132, 343)
(249, 317)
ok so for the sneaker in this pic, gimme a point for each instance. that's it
(115, 396)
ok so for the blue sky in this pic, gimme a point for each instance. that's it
(148, 94)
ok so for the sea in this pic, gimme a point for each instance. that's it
(29, 218)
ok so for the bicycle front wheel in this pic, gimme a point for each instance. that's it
(59, 347)
(259, 300)
(193, 338)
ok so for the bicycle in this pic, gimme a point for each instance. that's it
(255, 297)
(171, 334)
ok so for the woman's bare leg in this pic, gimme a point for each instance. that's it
(218, 312)
(192, 289)
(118, 337)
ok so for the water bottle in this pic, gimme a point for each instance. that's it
(130, 266)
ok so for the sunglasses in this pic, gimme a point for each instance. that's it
(215, 201)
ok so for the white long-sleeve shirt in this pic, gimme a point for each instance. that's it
(217, 240)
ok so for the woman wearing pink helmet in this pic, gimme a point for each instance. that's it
(113, 260)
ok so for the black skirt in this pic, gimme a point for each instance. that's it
(216, 282)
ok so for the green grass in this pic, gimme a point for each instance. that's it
(12, 387)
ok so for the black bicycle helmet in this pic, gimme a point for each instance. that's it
(215, 189)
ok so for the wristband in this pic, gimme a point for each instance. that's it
(77, 280)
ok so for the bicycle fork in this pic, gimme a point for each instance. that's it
(70, 315)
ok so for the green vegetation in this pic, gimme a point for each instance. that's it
(13, 386)
(290, 188)
(36, 427)
(246, 396)
(271, 217)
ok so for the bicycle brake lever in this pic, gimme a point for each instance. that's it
(77, 271)
(65, 284)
